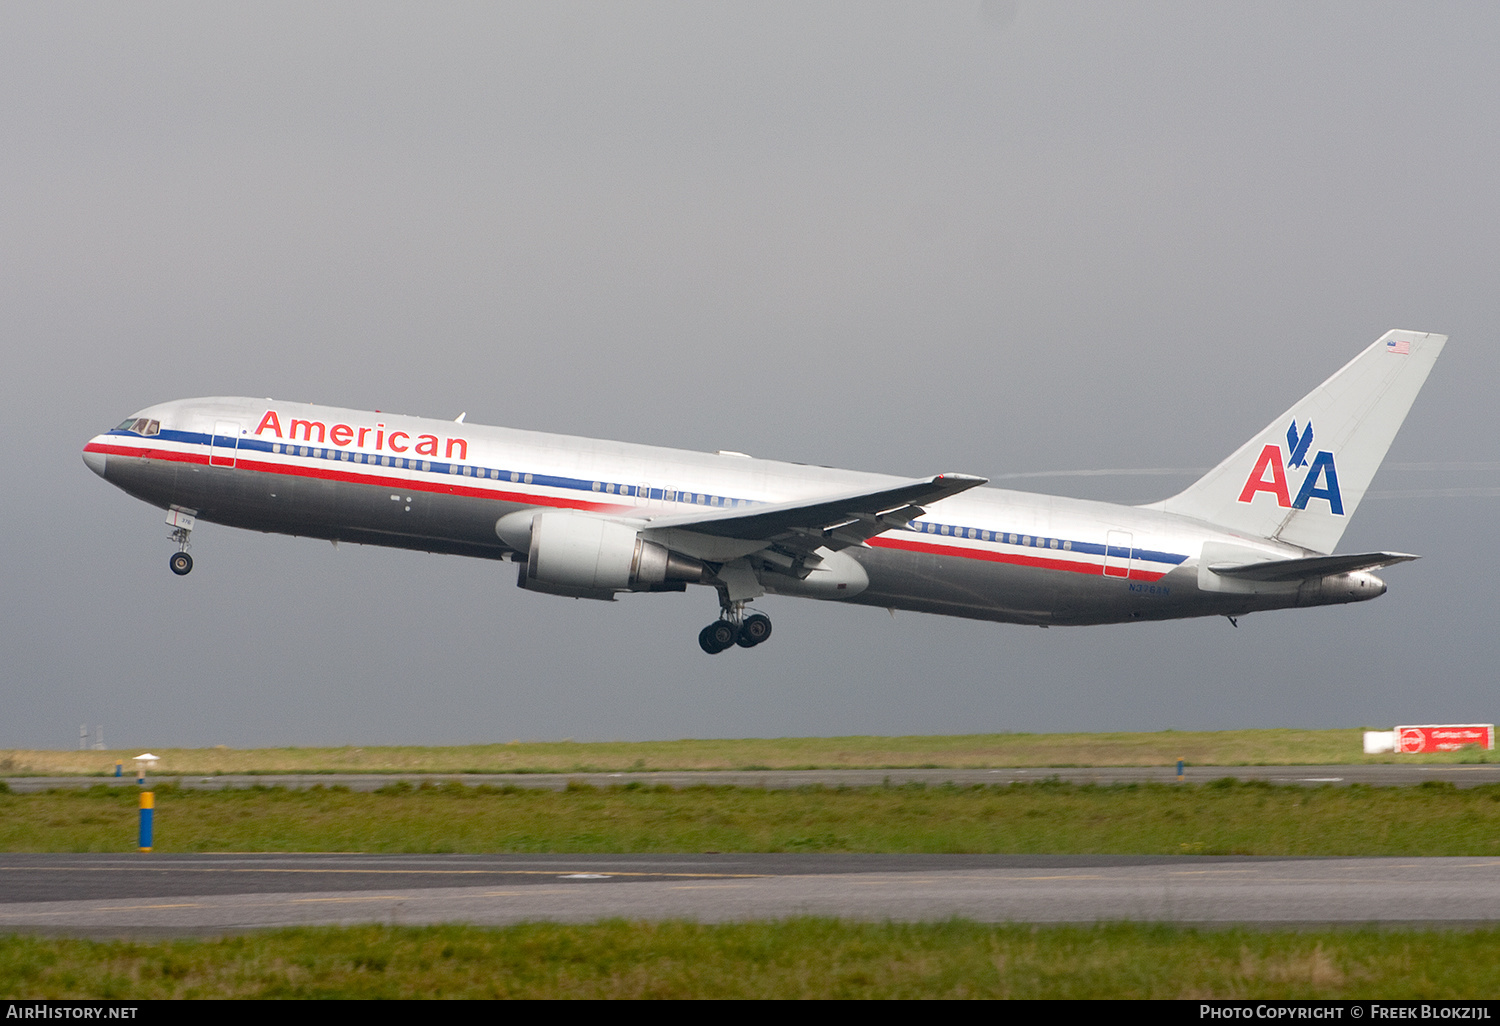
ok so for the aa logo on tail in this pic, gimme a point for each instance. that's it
(1321, 480)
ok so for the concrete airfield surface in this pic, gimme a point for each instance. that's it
(111, 895)
(1374, 774)
(151, 894)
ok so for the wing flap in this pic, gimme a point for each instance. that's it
(849, 519)
(1310, 568)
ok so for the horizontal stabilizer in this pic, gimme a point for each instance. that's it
(1311, 568)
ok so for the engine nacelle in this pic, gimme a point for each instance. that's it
(588, 557)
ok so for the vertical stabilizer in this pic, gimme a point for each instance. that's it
(1301, 479)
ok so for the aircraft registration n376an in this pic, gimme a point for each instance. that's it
(590, 519)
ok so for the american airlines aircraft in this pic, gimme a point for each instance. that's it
(591, 519)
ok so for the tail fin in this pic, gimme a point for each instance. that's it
(1301, 479)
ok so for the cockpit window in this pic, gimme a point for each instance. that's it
(129, 425)
(141, 426)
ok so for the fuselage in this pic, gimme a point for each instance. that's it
(440, 486)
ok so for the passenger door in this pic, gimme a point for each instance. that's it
(224, 448)
(1118, 549)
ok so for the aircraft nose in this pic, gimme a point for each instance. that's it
(95, 461)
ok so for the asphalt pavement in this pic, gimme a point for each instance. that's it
(112, 895)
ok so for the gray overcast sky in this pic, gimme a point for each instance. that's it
(982, 237)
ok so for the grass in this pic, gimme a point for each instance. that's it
(1280, 747)
(799, 958)
(1222, 817)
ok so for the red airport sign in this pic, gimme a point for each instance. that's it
(1444, 737)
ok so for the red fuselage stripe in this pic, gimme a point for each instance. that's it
(529, 499)
(990, 556)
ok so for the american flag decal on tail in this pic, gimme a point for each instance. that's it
(1399, 346)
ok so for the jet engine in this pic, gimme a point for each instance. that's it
(588, 557)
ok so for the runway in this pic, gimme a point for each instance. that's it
(111, 895)
(1376, 774)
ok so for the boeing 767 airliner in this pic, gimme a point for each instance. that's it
(590, 519)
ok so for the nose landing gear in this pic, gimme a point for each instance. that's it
(734, 628)
(181, 524)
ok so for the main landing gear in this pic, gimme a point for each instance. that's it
(734, 628)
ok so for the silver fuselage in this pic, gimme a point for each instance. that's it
(440, 486)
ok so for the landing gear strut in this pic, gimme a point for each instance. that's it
(181, 524)
(734, 628)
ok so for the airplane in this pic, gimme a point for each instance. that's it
(585, 518)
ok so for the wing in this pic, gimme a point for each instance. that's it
(834, 522)
(1310, 568)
